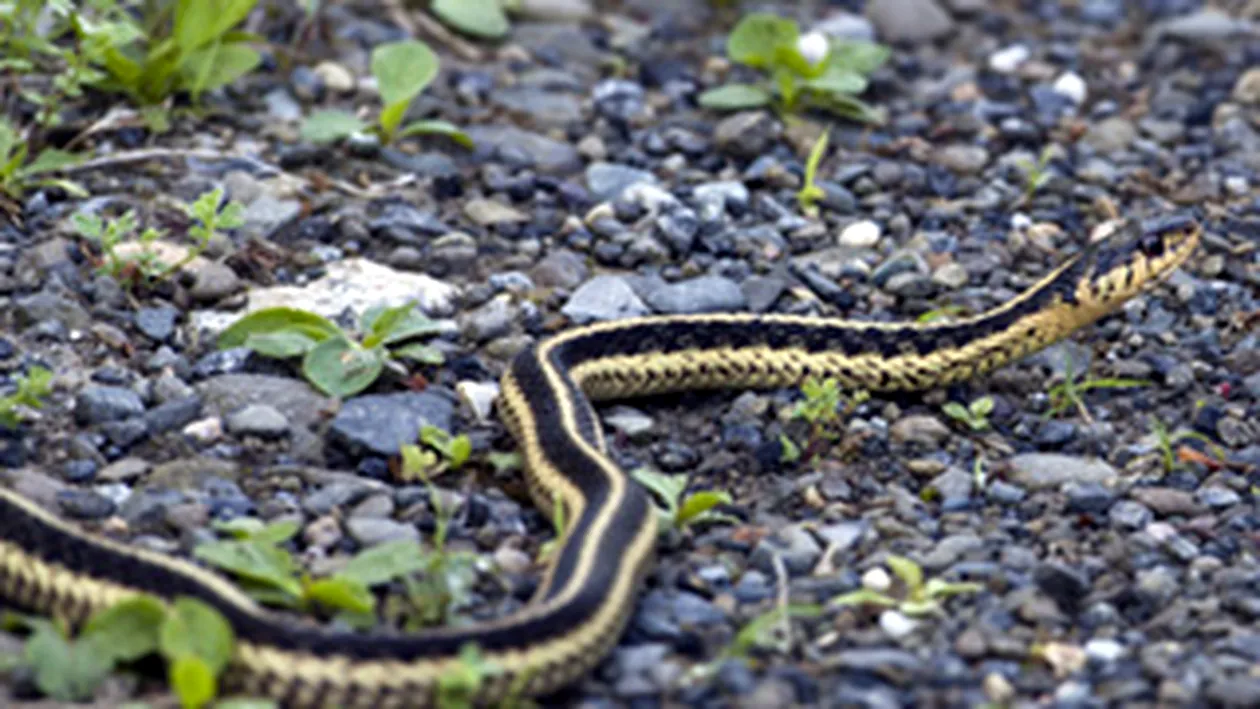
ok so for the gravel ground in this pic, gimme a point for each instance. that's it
(597, 190)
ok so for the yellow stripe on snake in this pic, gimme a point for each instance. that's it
(588, 592)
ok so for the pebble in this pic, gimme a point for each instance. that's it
(608, 181)
(746, 134)
(706, 294)
(864, 234)
(794, 545)
(603, 297)
(924, 430)
(381, 423)
(1042, 471)
(909, 20)
(368, 531)
(102, 404)
(259, 420)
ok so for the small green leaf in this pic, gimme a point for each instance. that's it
(479, 18)
(269, 320)
(281, 344)
(735, 97)
(384, 562)
(341, 593)
(382, 322)
(216, 65)
(403, 69)
(194, 629)
(277, 532)
(239, 527)
(982, 407)
(341, 368)
(791, 452)
(857, 56)
(937, 588)
(64, 671)
(919, 608)
(126, 631)
(50, 160)
(193, 681)
(668, 488)
(756, 38)
(391, 117)
(437, 127)
(326, 126)
(956, 411)
(199, 22)
(697, 504)
(842, 82)
(459, 451)
(258, 561)
(419, 352)
(910, 573)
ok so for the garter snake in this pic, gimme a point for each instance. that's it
(588, 592)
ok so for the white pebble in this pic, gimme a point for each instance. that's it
(479, 396)
(1020, 221)
(860, 235)
(876, 580)
(1104, 649)
(896, 625)
(1006, 61)
(207, 430)
(813, 47)
(1071, 85)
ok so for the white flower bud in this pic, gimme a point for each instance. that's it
(813, 46)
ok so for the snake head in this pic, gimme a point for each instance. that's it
(1136, 255)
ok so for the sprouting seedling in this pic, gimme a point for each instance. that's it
(402, 70)
(756, 633)
(810, 192)
(676, 510)
(975, 415)
(32, 389)
(920, 598)
(1070, 392)
(823, 406)
(1037, 174)
(1166, 442)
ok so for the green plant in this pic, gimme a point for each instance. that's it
(402, 71)
(1165, 441)
(177, 46)
(193, 639)
(919, 599)
(479, 18)
(144, 264)
(820, 406)
(810, 192)
(811, 69)
(678, 511)
(332, 361)
(1070, 392)
(975, 415)
(1035, 174)
(32, 388)
(945, 312)
(17, 174)
(271, 574)
(439, 452)
(29, 43)
(755, 634)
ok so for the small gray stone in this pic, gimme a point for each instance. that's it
(1050, 471)
(494, 319)
(1128, 514)
(157, 324)
(214, 281)
(382, 423)
(909, 20)
(747, 134)
(922, 429)
(545, 109)
(607, 180)
(962, 158)
(369, 531)
(761, 292)
(1110, 135)
(706, 294)
(546, 155)
(713, 198)
(259, 420)
(798, 549)
(488, 212)
(603, 298)
(100, 404)
(266, 214)
(633, 423)
(560, 269)
(46, 306)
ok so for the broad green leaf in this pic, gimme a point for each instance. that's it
(734, 97)
(955, 410)
(413, 324)
(282, 344)
(199, 22)
(269, 320)
(419, 352)
(479, 18)
(668, 488)
(437, 127)
(910, 573)
(341, 368)
(384, 562)
(239, 527)
(459, 451)
(757, 36)
(381, 321)
(193, 681)
(850, 107)
(403, 69)
(330, 126)
(50, 160)
(257, 561)
(216, 65)
(126, 631)
(918, 608)
(64, 671)
(277, 532)
(982, 407)
(341, 593)
(696, 504)
(857, 56)
(195, 629)
(838, 82)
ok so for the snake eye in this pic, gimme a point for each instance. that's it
(1152, 245)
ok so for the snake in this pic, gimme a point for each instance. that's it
(588, 589)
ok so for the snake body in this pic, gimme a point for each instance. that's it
(588, 592)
